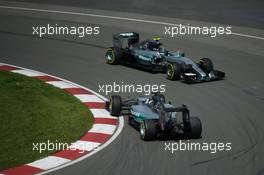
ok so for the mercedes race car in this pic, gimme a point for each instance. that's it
(152, 56)
(154, 118)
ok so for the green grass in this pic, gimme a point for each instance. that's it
(33, 112)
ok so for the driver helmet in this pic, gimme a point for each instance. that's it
(153, 44)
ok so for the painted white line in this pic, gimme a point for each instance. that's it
(28, 73)
(85, 145)
(103, 128)
(61, 84)
(88, 98)
(48, 162)
(248, 36)
(114, 17)
(101, 113)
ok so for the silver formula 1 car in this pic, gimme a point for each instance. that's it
(152, 56)
(154, 118)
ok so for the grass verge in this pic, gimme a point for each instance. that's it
(34, 112)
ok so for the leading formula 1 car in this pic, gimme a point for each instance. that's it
(155, 118)
(150, 55)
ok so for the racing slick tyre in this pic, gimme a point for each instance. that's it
(115, 105)
(113, 55)
(195, 128)
(206, 65)
(173, 71)
(148, 130)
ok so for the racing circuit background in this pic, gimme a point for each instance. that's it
(231, 110)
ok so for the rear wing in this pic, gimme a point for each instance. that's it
(125, 39)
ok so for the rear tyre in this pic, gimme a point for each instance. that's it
(206, 65)
(115, 105)
(173, 71)
(148, 130)
(195, 128)
(113, 55)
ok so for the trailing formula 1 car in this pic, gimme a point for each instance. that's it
(154, 118)
(152, 56)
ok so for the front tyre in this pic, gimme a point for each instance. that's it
(206, 65)
(115, 105)
(148, 130)
(113, 55)
(173, 71)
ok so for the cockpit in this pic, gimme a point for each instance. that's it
(153, 45)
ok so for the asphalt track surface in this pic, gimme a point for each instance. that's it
(231, 110)
(236, 12)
